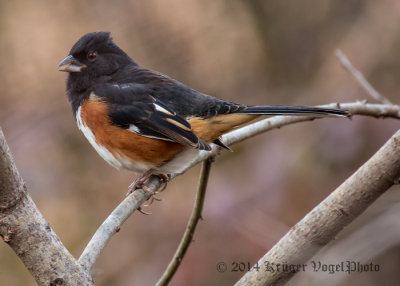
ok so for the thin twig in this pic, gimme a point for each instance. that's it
(326, 220)
(360, 78)
(113, 223)
(131, 203)
(187, 237)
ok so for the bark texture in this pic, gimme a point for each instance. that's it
(25, 230)
(327, 219)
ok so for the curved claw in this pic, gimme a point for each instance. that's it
(143, 212)
(157, 198)
(164, 178)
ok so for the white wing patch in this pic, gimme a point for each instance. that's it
(122, 85)
(134, 128)
(162, 109)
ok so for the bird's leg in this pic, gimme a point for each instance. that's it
(164, 178)
(138, 183)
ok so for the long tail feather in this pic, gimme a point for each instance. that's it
(292, 110)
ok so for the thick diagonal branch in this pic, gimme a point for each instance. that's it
(327, 219)
(26, 231)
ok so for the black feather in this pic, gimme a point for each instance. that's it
(222, 144)
(292, 110)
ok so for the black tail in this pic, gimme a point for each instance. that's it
(292, 110)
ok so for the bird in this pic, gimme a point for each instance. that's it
(144, 121)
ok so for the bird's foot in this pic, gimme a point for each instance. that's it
(139, 184)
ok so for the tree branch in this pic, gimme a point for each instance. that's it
(379, 235)
(26, 231)
(191, 226)
(114, 222)
(359, 77)
(326, 220)
(131, 203)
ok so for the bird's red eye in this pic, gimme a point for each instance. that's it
(92, 56)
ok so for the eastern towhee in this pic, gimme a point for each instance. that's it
(144, 121)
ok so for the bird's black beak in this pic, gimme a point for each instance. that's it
(70, 64)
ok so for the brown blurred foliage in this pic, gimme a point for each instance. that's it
(255, 52)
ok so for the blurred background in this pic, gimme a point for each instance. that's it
(254, 52)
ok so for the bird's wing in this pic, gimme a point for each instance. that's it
(132, 107)
(184, 100)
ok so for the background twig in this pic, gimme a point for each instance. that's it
(327, 219)
(187, 237)
(360, 78)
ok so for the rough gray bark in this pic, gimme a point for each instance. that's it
(327, 219)
(26, 231)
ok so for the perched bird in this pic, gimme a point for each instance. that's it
(144, 121)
